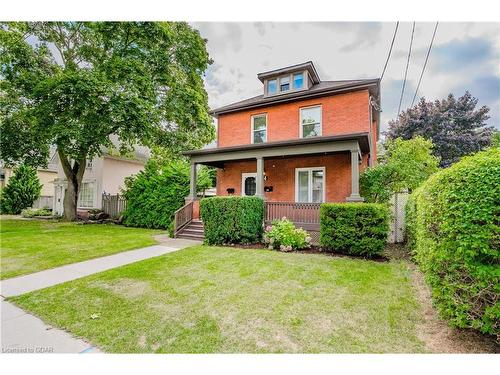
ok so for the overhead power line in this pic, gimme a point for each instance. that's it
(406, 71)
(425, 63)
(390, 50)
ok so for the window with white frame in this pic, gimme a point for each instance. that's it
(310, 185)
(259, 128)
(86, 196)
(272, 86)
(285, 83)
(298, 81)
(310, 122)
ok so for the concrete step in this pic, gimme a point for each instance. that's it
(190, 236)
(193, 231)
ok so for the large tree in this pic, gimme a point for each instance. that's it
(75, 84)
(455, 126)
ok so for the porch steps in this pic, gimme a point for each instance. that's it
(192, 231)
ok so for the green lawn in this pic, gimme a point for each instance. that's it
(211, 299)
(29, 246)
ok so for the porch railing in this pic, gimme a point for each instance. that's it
(299, 213)
(183, 216)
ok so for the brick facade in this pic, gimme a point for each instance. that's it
(280, 174)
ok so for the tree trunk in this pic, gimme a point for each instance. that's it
(74, 175)
(70, 201)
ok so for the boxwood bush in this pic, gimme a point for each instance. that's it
(452, 225)
(230, 220)
(354, 228)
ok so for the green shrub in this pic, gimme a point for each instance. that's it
(453, 231)
(354, 228)
(284, 236)
(23, 189)
(232, 219)
(155, 193)
(32, 212)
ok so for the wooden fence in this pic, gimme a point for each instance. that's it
(113, 205)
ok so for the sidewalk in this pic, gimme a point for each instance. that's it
(25, 333)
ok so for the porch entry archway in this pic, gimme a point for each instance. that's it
(248, 184)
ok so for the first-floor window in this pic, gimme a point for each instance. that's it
(310, 185)
(86, 196)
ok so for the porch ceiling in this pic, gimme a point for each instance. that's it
(305, 146)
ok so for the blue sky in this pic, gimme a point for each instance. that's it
(465, 56)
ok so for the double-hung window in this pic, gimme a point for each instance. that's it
(86, 196)
(310, 185)
(310, 122)
(259, 128)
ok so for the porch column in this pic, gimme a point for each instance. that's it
(192, 182)
(354, 197)
(259, 181)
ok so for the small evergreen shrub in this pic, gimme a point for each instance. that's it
(453, 229)
(354, 228)
(33, 212)
(23, 189)
(284, 236)
(155, 193)
(232, 220)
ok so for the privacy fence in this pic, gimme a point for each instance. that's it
(113, 205)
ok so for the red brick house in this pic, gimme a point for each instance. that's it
(301, 142)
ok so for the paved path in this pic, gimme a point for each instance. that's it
(23, 332)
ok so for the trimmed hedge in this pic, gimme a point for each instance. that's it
(354, 228)
(229, 220)
(453, 230)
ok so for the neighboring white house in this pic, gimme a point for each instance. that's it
(104, 174)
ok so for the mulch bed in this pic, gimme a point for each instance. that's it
(312, 250)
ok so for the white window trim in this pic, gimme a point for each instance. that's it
(320, 119)
(303, 81)
(292, 88)
(309, 169)
(243, 177)
(94, 199)
(252, 127)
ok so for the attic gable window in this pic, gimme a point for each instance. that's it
(284, 83)
(298, 81)
(272, 86)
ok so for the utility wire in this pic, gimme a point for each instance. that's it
(406, 71)
(390, 50)
(425, 64)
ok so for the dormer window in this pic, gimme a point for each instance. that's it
(284, 83)
(298, 81)
(272, 85)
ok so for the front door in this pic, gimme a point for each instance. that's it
(248, 184)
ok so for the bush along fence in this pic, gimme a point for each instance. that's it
(354, 228)
(232, 220)
(453, 230)
(113, 205)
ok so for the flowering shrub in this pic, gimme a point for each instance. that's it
(283, 235)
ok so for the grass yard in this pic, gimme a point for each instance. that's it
(211, 299)
(29, 246)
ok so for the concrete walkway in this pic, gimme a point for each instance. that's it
(23, 332)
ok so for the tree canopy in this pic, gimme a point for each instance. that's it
(455, 126)
(74, 84)
(404, 166)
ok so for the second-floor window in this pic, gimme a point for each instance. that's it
(259, 128)
(310, 121)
